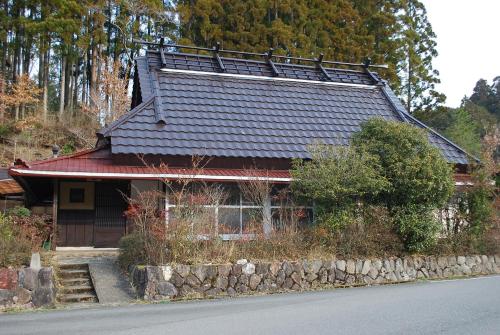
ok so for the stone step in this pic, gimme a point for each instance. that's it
(75, 282)
(74, 298)
(73, 266)
(66, 274)
(67, 290)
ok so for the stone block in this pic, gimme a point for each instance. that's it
(280, 277)
(366, 267)
(248, 269)
(224, 270)
(254, 281)
(350, 279)
(200, 271)
(35, 262)
(221, 283)
(241, 261)
(241, 288)
(339, 275)
(8, 278)
(177, 279)
(359, 266)
(461, 260)
(28, 278)
(288, 283)
(243, 279)
(213, 292)
(323, 276)
(211, 272)
(274, 268)
(236, 270)
(43, 296)
(262, 268)
(182, 270)
(232, 280)
(193, 281)
(46, 278)
(312, 267)
(231, 292)
(350, 266)
(341, 265)
(288, 268)
(22, 296)
(6, 297)
(310, 277)
(166, 272)
(167, 289)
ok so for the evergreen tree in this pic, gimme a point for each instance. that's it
(418, 49)
(464, 131)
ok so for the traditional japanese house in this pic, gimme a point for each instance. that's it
(246, 112)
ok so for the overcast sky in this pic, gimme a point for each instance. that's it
(468, 42)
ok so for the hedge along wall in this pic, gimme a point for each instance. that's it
(177, 281)
(27, 287)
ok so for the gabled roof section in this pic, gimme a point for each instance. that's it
(193, 105)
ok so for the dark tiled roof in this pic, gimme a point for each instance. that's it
(245, 112)
(204, 63)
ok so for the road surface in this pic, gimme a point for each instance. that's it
(469, 306)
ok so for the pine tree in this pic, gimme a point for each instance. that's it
(418, 47)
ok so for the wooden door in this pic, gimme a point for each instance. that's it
(110, 221)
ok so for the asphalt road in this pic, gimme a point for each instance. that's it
(470, 306)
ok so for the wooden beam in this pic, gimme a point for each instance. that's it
(55, 205)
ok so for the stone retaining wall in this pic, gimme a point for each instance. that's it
(177, 281)
(27, 287)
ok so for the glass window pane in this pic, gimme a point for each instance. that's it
(280, 195)
(231, 194)
(229, 221)
(252, 220)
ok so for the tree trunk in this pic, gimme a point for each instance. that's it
(84, 78)
(74, 99)
(62, 86)
(46, 57)
(93, 73)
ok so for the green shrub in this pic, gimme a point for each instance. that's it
(20, 211)
(389, 164)
(15, 247)
(336, 179)
(131, 250)
(68, 148)
(417, 172)
(417, 227)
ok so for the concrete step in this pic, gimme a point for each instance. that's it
(75, 298)
(68, 290)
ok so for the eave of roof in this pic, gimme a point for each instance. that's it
(97, 163)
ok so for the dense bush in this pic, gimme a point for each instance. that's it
(417, 226)
(389, 164)
(20, 234)
(417, 172)
(131, 250)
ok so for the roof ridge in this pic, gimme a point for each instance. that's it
(105, 131)
(210, 57)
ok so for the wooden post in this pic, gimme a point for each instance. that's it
(55, 205)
